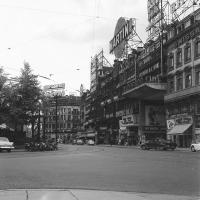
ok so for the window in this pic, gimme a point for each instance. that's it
(179, 82)
(198, 107)
(171, 62)
(197, 77)
(69, 117)
(197, 48)
(179, 58)
(188, 80)
(187, 53)
(171, 84)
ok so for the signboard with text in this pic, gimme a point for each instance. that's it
(123, 29)
(128, 120)
(60, 86)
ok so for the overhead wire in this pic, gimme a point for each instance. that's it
(53, 11)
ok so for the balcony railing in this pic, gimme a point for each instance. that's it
(137, 83)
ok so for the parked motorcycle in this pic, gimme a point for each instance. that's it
(41, 146)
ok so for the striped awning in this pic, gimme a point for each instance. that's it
(179, 129)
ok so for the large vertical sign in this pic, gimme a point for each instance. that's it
(123, 29)
(96, 64)
(154, 18)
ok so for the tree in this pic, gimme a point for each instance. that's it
(4, 96)
(28, 95)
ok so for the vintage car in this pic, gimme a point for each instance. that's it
(79, 142)
(5, 144)
(195, 146)
(90, 142)
(158, 144)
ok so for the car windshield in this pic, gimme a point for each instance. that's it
(4, 139)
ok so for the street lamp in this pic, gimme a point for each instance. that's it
(39, 108)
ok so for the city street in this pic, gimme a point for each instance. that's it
(103, 168)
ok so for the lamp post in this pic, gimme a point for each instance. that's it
(39, 106)
(56, 130)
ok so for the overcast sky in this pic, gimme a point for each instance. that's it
(59, 36)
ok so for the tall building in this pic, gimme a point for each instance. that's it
(183, 94)
(68, 116)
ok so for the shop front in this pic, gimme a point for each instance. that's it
(128, 132)
(153, 132)
(153, 121)
(180, 130)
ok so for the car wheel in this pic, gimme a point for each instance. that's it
(143, 147)
(193, 149)
(9, 150)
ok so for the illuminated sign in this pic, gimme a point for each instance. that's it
(122, 30)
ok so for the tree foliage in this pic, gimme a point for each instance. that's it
(29, 94)
(4, 97)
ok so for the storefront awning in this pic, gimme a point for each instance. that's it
(179, 129)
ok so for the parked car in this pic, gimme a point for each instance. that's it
(90, 142)
(158, 144)
(195, 146)
(5, 144)
(74, 141)
(79, 142)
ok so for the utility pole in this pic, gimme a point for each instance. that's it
(56, 131)
(161, 39)
(38, 136)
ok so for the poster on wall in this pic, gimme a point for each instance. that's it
(154, 115)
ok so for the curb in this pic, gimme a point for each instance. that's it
(79, 194)
(138, 147)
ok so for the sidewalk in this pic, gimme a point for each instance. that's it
(138, 147)
(75, 194)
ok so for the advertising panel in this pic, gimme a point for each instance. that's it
(154, 115)
(170, 124)
(179, 120)
(128, 120)
(123, 29)
(54, 87)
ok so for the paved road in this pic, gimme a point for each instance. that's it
(104, 168)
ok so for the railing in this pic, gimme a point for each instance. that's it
(137, 83)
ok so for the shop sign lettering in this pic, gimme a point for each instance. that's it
(121, 35)
(154, 128)
(128, 120)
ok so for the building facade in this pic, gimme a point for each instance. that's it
(183, 94)
(154, 91)
(68, 120)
